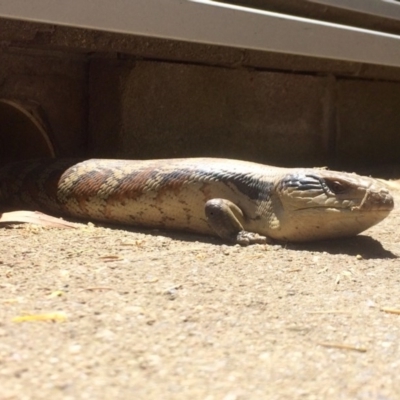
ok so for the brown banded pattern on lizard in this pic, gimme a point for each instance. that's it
(241, 202)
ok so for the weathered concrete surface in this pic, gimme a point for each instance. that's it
(112, 95)
(30, 35)
(155, 109)
(148, 109)
(368, 123)
(143, 109)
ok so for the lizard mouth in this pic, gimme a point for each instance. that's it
(345, 209)
(385, 205)
(380, 200)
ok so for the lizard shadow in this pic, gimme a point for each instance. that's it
(366, 246)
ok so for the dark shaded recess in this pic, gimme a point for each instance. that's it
(21, 135)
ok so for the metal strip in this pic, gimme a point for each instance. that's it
(210, 22)
(382, 8)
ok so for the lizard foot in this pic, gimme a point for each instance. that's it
(245, 238)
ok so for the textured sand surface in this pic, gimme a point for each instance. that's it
(149, 315)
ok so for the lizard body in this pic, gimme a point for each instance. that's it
(241, 202)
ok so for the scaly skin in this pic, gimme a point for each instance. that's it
(241, 202)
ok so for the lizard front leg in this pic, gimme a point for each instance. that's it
(224, 218)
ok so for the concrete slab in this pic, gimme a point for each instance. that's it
(368, 123)
(155, 109)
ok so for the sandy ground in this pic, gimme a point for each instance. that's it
(150, 315)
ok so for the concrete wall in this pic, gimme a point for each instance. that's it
(158, 109)
(111, 95)
(368, 122)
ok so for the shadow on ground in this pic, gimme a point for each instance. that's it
(365, 246)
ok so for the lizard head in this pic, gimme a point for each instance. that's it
(322, 204)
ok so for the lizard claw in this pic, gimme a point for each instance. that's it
(245, 238)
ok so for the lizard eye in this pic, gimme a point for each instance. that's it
(335, 187)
